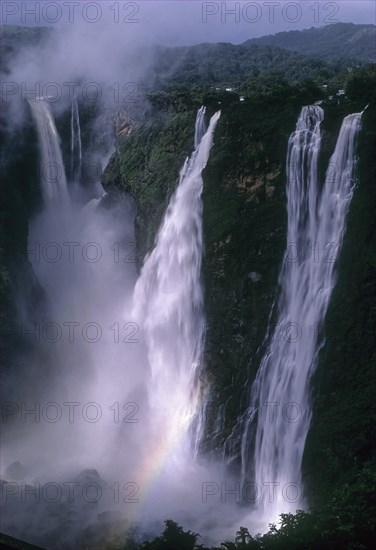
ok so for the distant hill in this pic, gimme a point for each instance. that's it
(337, 40)
(228, 64)
(295, 55)
(316, 53)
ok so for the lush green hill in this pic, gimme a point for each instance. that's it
(295, 55)
(337, 40)
(225, 64)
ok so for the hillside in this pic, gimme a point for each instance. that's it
(228, 64)
(337, 40)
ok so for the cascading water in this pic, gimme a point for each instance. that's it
(139, 359)
(76, 145)
(72, 141)
(280, 411)
(200, 126)
(168, 301)
(53, 178)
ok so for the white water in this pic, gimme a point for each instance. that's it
(168, 301)
(281, 390)
(52, 171)
(200, 126)
(75, 168)
(146, 360)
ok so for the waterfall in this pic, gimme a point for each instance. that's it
(75, 168)
(280, 409)
(72, 141)
(52, 171)
(168, 298)
(137, 362)
(200, 126)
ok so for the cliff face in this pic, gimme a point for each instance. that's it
(245, 227)
(20, 197)
(342, 436)
(245, 236)
(147, 167)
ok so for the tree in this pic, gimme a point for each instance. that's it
(243, 536)
(173, 538)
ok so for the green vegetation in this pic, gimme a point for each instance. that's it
(229, 65)
(293, 56)
(173, 537)
(357, 41)
(148, 164)
(342, 436)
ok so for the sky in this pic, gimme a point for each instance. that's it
(182, 22)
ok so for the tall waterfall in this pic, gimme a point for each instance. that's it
(52, 171)
(280, 410)
(76, 146)
(168, 298)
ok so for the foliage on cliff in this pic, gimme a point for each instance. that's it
(342, 437)
(229, 65)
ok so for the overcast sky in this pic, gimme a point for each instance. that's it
(188, 22)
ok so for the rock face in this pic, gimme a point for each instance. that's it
(20, 197)
(342, 435)
(245, 231)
